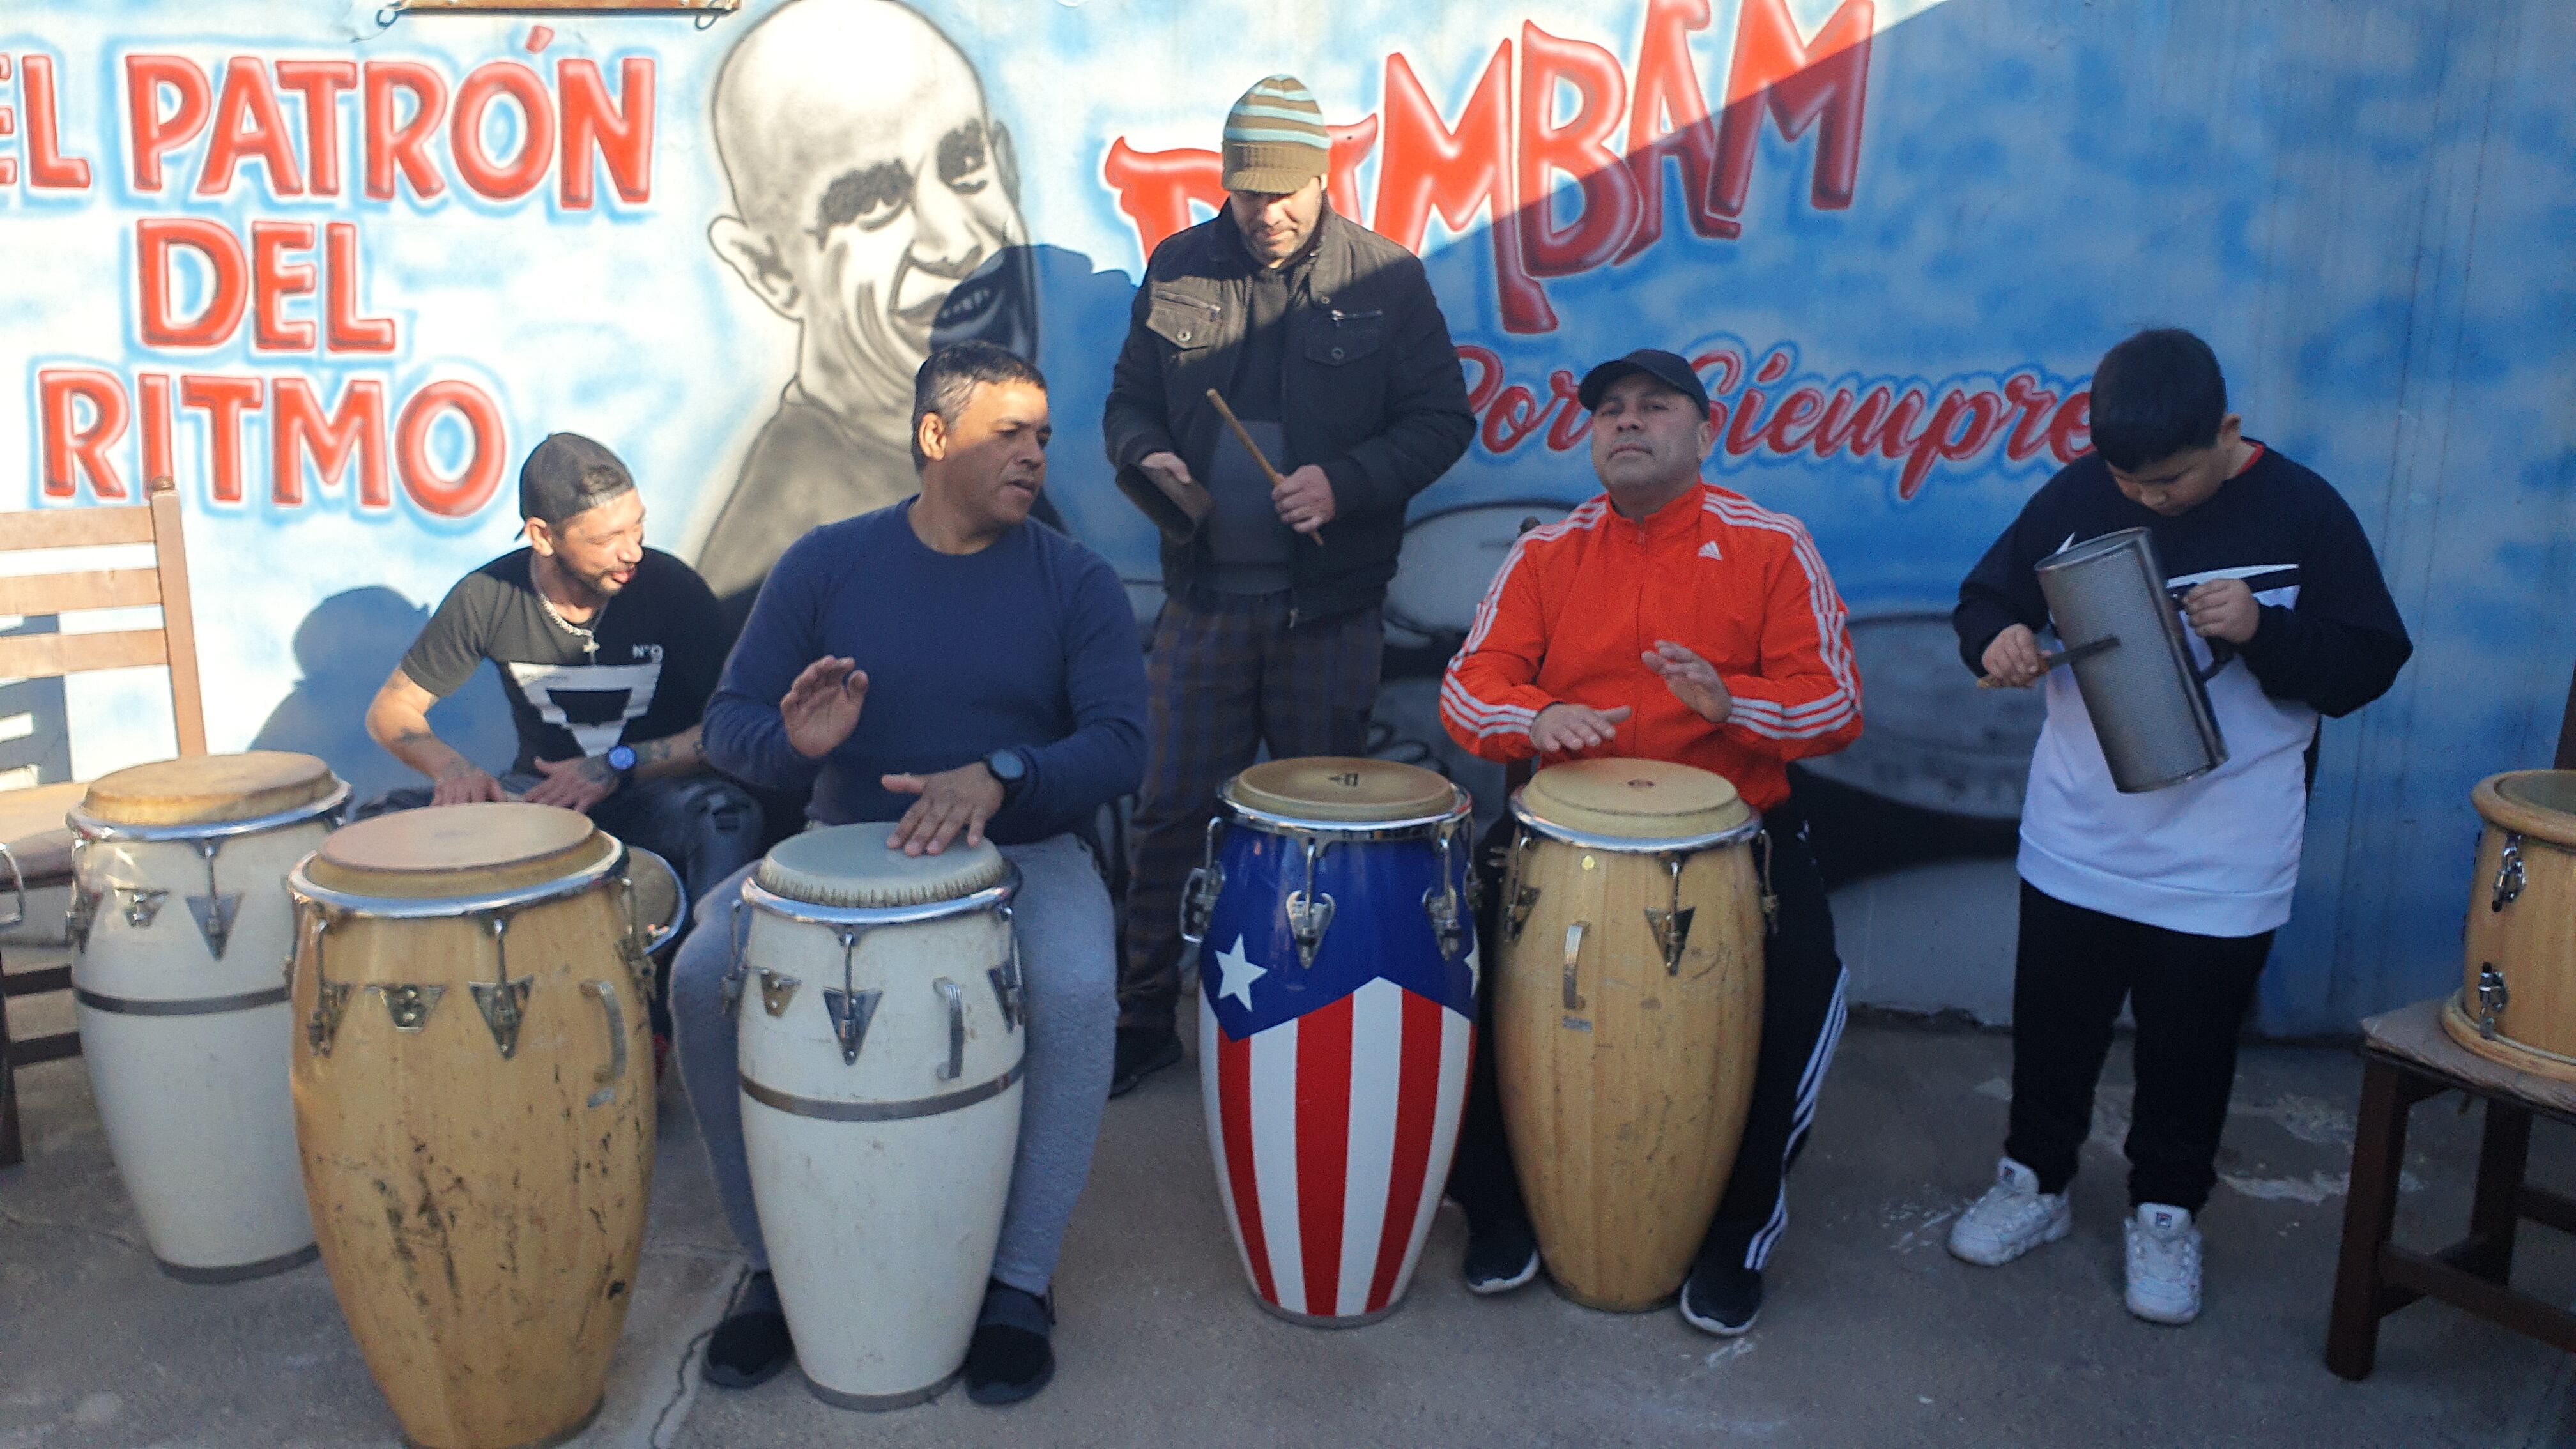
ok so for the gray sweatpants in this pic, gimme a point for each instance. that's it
(1068, 957)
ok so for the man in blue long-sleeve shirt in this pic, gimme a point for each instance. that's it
(948, 665)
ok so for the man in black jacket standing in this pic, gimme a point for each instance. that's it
(1327, 343)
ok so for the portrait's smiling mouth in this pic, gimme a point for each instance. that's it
(966, 307)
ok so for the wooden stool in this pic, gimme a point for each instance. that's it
(2406, 1058)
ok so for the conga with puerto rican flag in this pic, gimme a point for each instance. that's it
(1338, 970)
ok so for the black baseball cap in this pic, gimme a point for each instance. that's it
(569, 474)
(1667, 368)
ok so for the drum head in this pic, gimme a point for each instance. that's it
(459, 850)
(209, 789)
(1634, 800)
(1343, 789)
(2534, 802)
(849, 865)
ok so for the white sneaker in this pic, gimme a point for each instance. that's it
(2011, 1219)
(2164, 1264)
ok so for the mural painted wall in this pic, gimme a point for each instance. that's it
(334, 271)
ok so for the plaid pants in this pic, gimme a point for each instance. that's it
(1227, 680)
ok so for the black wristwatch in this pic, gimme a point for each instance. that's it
(621, 758)
(1011, 767)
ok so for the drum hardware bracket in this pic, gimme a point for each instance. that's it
(1441, 902)
(850, 1008)
(605, 1079)
(2508, 881)
(734, 979)
(215, 911)
(1205, 884)
(1010, 988)
(141, 903)
(1770, 899)
(1573, 956)
(1310, 911)
(1523, 899)
(1672, 925)
(330, 998)
(2492, 999)
(950, 992)
(81, 916)
(639, 963)
(504, 1002)
(777, 988)
(409, 1005)
(17, 884)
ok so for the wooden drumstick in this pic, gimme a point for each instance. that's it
(2049, 661)
(1244, 436)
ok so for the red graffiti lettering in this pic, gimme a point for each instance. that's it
(227, 293)
(155, 387)
(248, 125)
(354, 431)
(48, 169)
(1668, 118)
(74, 449)
(224, 401)
(273, 279)
(471, 487)
(487, 175)
(321, 83)
(1797, 84)
(343, 329)
(1606, 194)
(403, 145)
(622, 133)
(2030, 434)
(1157, 188)
(153, 134)
(1458, 171)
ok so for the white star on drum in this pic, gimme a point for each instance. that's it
(1239, 973)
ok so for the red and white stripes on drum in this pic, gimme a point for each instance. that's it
(1332, 1136)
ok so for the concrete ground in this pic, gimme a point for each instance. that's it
(1873, 1335)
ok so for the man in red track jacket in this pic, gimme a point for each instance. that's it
(1674, 620)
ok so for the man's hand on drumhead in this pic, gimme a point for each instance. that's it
(2013, 659)
(822, 706)
(1562, 729)
(951, 801)
(465, 784)
(575, 784)
(1692, 680)
(2224, 609)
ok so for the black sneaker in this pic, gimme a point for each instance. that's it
(751, 1345)
(1501, 1259)
(1723, 1299)
(1010, 1358)
(1142, 1051)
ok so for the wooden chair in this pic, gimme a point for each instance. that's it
(2406, 1058)
(36, 847)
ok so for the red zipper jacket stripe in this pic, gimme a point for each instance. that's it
(1578, 603)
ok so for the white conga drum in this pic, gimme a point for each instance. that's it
(474, 1099)
(879, 1002)
(2517, 1000)
(180, 920)
(1627, 1017)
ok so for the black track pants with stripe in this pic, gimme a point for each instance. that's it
(1802, 1021)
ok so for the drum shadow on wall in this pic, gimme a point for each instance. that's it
(344, 650)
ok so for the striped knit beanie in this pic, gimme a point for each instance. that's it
(1274, 138)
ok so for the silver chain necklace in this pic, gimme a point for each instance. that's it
(589, 643)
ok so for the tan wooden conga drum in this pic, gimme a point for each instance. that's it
(180, 919)
(2517, 1003)
(1627, 1016)
(474, 1099)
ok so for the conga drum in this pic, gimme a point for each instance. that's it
(474, 1100)
(1337, 962)
(2517, 1003)
(879, 1003)
(180, 919)
(1627, 1016)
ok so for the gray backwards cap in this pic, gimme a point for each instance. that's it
(568, 474)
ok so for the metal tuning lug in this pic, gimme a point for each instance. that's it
(215, 911)
(604, 1081)
(17, 886)
(777, 988)
(1199, 893)
(1442, 903)
(955, 995)
(1310, 911)
(2492, 999)
(330, 998)
(2508, 881)
(630, 944)
(1010, 988)
(1518, 899)
(82, 915)
(504, 1002)
(1672, 924)
(409, 1005)
(849, 1008)
(734, 978)
(1573, 959)
(141, 904)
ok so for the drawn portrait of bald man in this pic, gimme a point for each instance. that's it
(875, 205)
